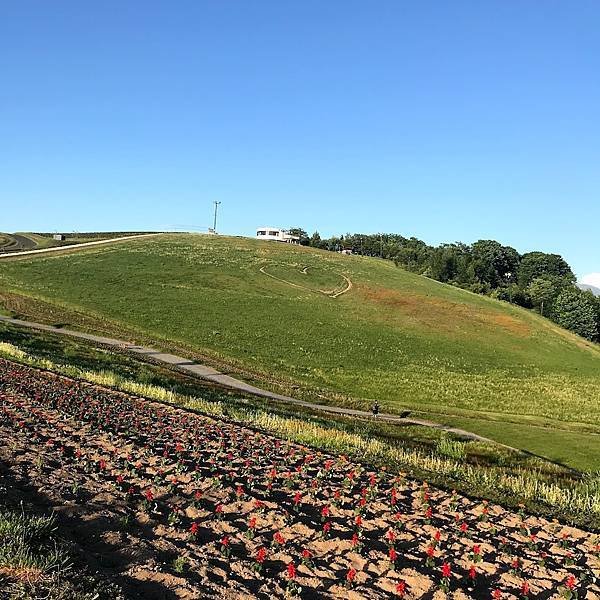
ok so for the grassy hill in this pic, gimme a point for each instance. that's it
(274, 311)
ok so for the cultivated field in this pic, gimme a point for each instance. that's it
(167, 501)
(272, 313)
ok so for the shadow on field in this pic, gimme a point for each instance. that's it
(92, 537)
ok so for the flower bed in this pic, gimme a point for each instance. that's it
(282, 518)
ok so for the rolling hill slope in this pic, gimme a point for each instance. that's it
(352, 329)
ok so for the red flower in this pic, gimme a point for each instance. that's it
(472, 573)
(194, 528)
(306, 554)
(278, 538)
(446, 570)
(261, 555)
(291, 570)
(430, 551)
(570, 582)
(351, 575)
(326, 527)
(496, 594)
(149, 495)
(325, 512)
(225, 541)
(401, 589)
(393, 554)
(525, 589)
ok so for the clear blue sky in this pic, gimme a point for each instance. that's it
(444, 120)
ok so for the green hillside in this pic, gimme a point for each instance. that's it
(283, 315)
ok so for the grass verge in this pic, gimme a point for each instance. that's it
(35, 563)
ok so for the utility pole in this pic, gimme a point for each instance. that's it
(215, 221)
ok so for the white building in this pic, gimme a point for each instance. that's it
(276, 235)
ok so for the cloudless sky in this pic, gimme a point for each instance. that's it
(444, 120)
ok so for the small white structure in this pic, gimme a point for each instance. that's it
(276, 235)
(59, 237)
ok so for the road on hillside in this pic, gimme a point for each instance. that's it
(210, 374)
(73, 247)
(24, 242)
(21, 243)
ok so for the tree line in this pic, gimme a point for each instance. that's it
(534, 280)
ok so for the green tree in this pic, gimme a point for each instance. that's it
(595, 302)
(541, 291)
(575, 311)
(492, 262)
(315, 240)
(302, 235)
(539, 264)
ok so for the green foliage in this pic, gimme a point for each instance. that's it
(304, 240)
(493, 263)
(540, 264)
(35, 564)
(451, 448)
(180, 564)
(541, 290)
(576, 311)
(315, 240)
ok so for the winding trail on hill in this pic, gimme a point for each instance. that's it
(210, 374)
(335, 293)
(71, 247)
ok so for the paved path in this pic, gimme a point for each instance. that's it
(215, 376)
(72, 247)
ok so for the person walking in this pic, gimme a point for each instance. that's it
(375, 409)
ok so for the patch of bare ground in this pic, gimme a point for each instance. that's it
(441, 314)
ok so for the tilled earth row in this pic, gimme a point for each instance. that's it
(171, 504)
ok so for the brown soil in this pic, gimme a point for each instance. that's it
(65, 445)
(438, 313)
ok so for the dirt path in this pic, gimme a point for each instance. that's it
(210, 374)
(72, 247)
(335, 293)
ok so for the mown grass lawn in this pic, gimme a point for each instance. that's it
(402, 339)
